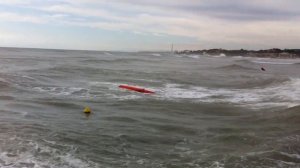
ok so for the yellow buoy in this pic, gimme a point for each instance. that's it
(87, 110)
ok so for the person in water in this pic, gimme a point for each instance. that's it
(263, 69)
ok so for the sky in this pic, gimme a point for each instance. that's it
(138, 25)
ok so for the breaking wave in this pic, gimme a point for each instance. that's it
(274, 62)
(35, 155)
(284, 94)
(272, 93)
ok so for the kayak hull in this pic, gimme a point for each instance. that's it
(137, 89)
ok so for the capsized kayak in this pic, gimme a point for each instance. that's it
(137, 89)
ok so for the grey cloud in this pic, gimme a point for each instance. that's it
(237, 10)
(232, 10)
(243, 11)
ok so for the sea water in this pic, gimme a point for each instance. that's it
(207, 111)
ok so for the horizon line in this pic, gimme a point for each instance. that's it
(68, 49)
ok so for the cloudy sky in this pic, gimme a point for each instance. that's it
(150, 24)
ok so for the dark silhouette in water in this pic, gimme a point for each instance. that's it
(263, 69)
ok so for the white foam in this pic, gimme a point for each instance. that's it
(108, 85)
(261, 58)
(217, 165)
(28, 77)
(284, 94)
(37, 156)
(125, 97)
(62, 91)
(107, 53)
(219, 56)
(238, 57)
(156, 54)
(174, 91)
(148, 80)
(293, 155)
(275, 62)
(194, 56)
(71, 161)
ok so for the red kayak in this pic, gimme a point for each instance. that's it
(137, 89)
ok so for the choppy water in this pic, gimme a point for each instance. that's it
(209, 112)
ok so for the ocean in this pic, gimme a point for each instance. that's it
(207, 112)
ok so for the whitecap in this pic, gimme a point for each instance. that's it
(39, 155)
(194, 56)
(283, 94)
(156, 54)
(107, 53)
(219, 56)
(275, 62)
(62, 91)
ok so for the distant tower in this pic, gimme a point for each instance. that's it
(172, 48)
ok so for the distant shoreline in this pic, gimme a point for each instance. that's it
(269, 53)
